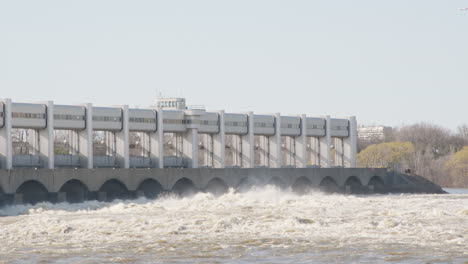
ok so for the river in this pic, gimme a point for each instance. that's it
(263, 225)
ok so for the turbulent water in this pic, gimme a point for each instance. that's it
(264, 225)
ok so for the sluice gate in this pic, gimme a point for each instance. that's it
(105, 184)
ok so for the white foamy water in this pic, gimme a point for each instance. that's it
(263, 225)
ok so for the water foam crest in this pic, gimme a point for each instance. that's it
(260, 218)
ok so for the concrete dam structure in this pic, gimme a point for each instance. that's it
(73, 153)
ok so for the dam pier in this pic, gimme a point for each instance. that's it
(79, 152)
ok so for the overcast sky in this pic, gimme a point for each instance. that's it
(387, 62)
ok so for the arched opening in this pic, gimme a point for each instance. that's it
(33, 192)
(245, 185)
(217, 187)
(378, 183)
(150, 188)
(277, 182)
(184, 187)
(353, 185)
(302, 185)
(76, 191)
(329, 185)
(114, 189)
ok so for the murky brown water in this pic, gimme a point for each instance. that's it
(264, 225)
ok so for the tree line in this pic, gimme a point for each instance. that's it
(429, 150)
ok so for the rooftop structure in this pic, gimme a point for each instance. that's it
(173, 103)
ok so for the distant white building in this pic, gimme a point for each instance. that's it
(371, 133)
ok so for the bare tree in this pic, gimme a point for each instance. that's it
(20, 135)
(462, 131)
(430, 139)
(433, 144)
(363, 143)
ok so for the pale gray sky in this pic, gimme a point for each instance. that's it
(387, 62)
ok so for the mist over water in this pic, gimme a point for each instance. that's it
(264, 224)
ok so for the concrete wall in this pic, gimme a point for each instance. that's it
(93, 179)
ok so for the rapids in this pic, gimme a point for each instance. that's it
(265, 225)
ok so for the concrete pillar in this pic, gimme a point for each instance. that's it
(301, 145)
(235, 143)
(263, 150)
(144, 143)
(288, 152)
(248, 144)
(73, 141)
(315, 151)
(350, 144)
(190, 147)
(109, 137)
(85, 138)
(210, 150)
(203, 150)
(157, 141)
(293, 151)
(190, 137)
(275, 144)
(238, 148)
(339, 152)
(207, 142)
(122, 145)
(33, 142)
(325, 145)
(6, 145)
(178, 145)
(46, 139)
(219, 143)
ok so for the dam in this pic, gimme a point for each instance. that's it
(122, 152)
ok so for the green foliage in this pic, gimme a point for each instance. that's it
(459, 161)
(384, 155)
(60, 151)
